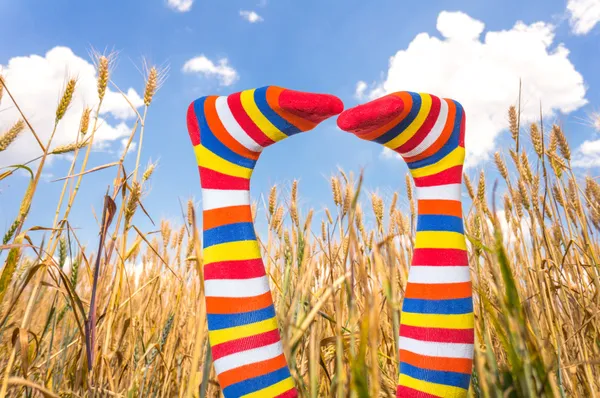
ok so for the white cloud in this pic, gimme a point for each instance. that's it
(37, 82)
(361, 88)
(204, 66)
(251, 16)
(483, 74)
(180, 5)
(387, 153)
(584, 15)
(507, 230)
(588, 154)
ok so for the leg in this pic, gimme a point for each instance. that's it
(436, 327)
(228, 135)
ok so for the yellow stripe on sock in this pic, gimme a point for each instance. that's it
(440, 240)
(439, 390)
(247, 98)
(454, 158)
(411, 130)
(461, 321)
(206, 158)
(272, 391)
(231, 251)
(239, 332)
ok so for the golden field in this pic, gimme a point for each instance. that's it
(126, 318)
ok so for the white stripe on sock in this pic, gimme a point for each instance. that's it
(218, 198)
(438, 274)
(233, 127)
(440, 192)
(251, 287)
(248, 357)
(436, 349)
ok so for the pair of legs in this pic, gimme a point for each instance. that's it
(436, 332)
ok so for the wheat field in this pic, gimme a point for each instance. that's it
(126, 317)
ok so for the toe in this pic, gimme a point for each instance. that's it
(309, 106)
(368, 117)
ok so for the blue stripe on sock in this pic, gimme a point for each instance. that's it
(224, 321)
(260, 97)
(455, 379)
(448, 147)
(257, 383)
(229, 233)
(212, 143)
(442, 307)
(433, 222)
(404, 123)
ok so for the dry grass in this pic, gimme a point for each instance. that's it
(126, 318)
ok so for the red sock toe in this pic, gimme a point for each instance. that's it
(368, 117)
(309, 106)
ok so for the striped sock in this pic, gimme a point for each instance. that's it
(436, 330)
(228, 135)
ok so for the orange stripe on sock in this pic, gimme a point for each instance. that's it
(438, 291)
(226, 215)
(250, 371)
(442, 139)
(440, 207)
(217, 128)
(460, 365)
(407, 99)
(234, 305)
(273, 93)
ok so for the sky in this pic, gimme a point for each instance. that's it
(472, 51)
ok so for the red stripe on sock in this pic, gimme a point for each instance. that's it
(425, 128)
(192, 125)
(214, 180)
(407, 392)
(245, 343)
(289, 394)
(440, 257)
(439, 335)
(453, 175)
(235, 269)
(239, 113)
(442, 139)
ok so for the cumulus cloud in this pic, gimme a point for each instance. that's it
(388, 154)
(588, 154)
(361, 88)
(483, 74)
(507, 230)
(180, 5)
(37, 81)
(584, 15)
(251, 16)
(221, 70)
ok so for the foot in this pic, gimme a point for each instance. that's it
(228, 135)
(436, 332)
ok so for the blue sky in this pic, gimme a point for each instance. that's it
(322, 46)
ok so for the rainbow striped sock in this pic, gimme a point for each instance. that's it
(436, 330)
(228, 135)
